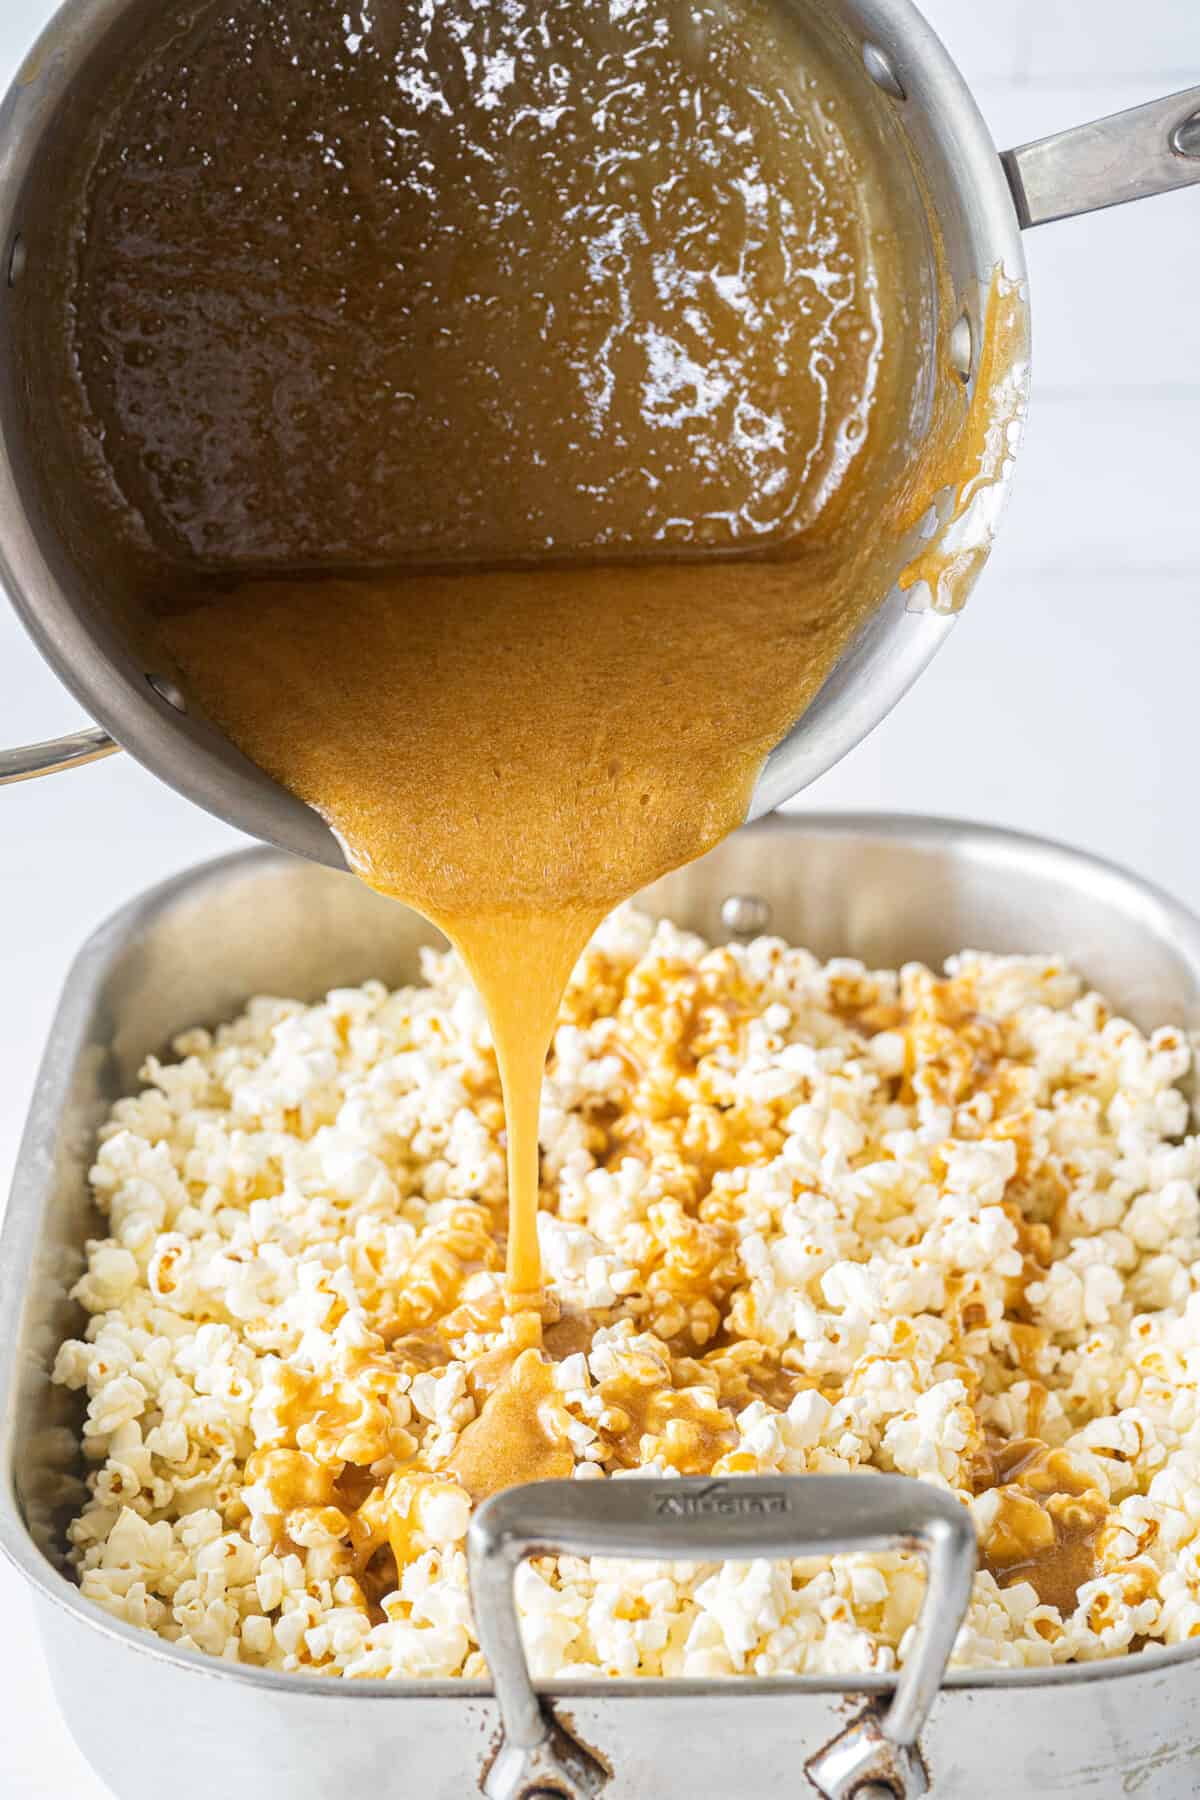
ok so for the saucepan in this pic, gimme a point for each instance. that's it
(920, 110)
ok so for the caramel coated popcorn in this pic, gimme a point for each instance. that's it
(796, 1218)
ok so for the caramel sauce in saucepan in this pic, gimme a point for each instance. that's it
(519, 402)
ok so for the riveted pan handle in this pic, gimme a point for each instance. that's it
(55, 755)
(702, 1520)
(1127, 156)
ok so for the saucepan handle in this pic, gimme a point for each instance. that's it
(702, 1520)
(55, 755)
(1127, 156)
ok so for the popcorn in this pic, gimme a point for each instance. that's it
(796, 1218)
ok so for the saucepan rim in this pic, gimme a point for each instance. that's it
(989, 846)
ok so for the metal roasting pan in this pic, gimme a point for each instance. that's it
(153, 1719)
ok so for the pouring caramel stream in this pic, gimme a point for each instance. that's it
(606, 739)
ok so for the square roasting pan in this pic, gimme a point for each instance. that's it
(152, 1718)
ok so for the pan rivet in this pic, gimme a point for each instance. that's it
(1185, 139)
(166, 690)
(745, 915)
(16, 261)
(962, 347)
(880, 69)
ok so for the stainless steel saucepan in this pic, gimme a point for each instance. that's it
(153, 1718)
(919, 105)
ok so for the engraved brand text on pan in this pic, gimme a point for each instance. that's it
(721, 1498)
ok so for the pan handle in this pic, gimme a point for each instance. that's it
(57, 754)
(1128, 156)
(704, 1520)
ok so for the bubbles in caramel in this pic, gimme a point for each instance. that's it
(455, 282)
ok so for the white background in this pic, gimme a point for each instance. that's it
(1065, 702)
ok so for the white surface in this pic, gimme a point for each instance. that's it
(1065, 702)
